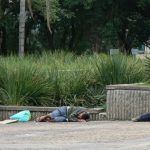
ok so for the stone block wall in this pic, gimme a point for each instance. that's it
(6, 111)
(127, 101)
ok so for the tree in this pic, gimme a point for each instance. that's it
(22, 19)
(47, 8)
(49, 12)
(79, 26)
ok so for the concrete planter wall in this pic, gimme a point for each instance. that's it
(127, 101)
(6, 111)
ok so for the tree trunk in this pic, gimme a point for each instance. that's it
(71, 42)
(3, 41)
(63, 39)
(22, 18)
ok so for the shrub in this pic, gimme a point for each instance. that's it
(147, 69)
(60, 78)
(118, 69)
(22, 84)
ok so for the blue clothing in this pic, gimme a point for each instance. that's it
(60, 114)
(144, 117)
(66, 113)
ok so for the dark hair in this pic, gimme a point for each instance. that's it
(86, 116)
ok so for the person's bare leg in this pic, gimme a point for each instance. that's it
(45, 118)
(49, 119)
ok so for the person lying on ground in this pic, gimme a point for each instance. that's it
(66, 114)
(143, 117)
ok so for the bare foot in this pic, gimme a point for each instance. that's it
(43, 118)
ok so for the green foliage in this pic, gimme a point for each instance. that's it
(147, 69)
(118, 69)
(87, 25)
(86, 3)
(61, 78)
(22, 84)
(42, 8)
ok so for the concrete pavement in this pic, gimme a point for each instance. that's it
(94, 135)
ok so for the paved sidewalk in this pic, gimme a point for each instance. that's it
(94, 135)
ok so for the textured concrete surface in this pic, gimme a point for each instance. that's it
(126, 101)
(94, 135)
